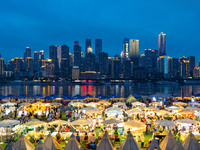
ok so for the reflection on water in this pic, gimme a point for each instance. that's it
(120, 90)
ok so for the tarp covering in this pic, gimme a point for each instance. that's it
(129, 143)
(105, 143)
(72, 144)
(168, 142)
(191, 143)
(178, 146)
(154, 145)
(40, 146)
(23, 144)
(51, 144)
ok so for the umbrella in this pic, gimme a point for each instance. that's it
(38, 96)
(92, 104)
(10, 96)
(59, 122)
(173, 108)
(166, 123)
(160, 95)
(104, 102)
(168, 142)
(134, 111)
(34, 123)
(78, 96)
(88, 96)
(22, 96)
(9, 104)
(2, 97)
(23, 144)
(72, 144)
(78, 104)
(9, 123)
(129, 143)
(105, 143)
(187, 120)
(81, 121)
(191, 143)
(111, 121)
(137, 125)
(113, 96)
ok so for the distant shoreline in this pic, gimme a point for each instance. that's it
(111, 82)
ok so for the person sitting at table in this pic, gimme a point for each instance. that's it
(78, 137)
(86, 136)
(58, 136)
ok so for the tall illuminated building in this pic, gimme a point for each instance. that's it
(98, 48)
(1, 66)
(65, 61)
(87, 44)
(54, 58)
(36, 61)
(77, 54)
(162, 44)
(27, 52)
(134, 51)
(126, 47)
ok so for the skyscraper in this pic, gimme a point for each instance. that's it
(90, 62)
(36, 61)
(59, 55)
(126, 47)
(162, 44)
(27, 53)
(1, 66)
(54, 58)
(98, 48)
(134, 51)
(87, 44)
(77, 54)
(65, 61)
(103, 63)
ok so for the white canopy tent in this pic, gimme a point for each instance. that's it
(9, 123)
(111, 121)
(129, 143)
(9, 146)
(166, 123)
(81, 121)
(72, 144)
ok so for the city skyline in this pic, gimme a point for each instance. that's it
(36, 25)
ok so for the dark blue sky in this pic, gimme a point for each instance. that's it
(40, 23)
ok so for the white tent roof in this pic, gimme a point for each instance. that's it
(59, 122)
(192, 108)
(51, 144)
(179, 103)
(134, 111)
(168, 142)
(191, 143)
(72, 144)
(104, 102)
(166, 123)
(40, 146)
(82, 121)
(194, 103)
(23, 144)
(9, 104)
(173, 108)
(9, 146)
(187, 120)
(178, 146)
(111, 121)
(129, 143)
(105, 143)
(138, 104)
(119, 103)
(34, 123)
(154, 145)
(9, 123)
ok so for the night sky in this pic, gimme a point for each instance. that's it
(40, 23)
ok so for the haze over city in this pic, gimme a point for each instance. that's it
(39, 24)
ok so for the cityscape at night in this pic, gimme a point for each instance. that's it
(100, 75)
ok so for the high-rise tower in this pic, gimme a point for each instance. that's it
(162, 44)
